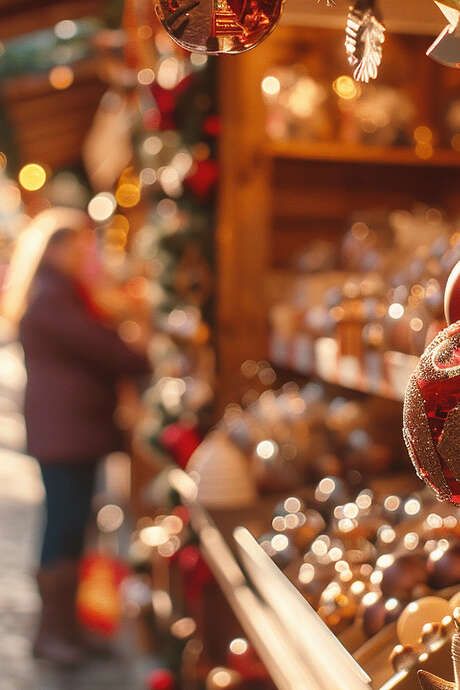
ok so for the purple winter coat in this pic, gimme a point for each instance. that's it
(73, 364)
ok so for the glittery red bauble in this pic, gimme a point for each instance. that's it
(432, 415)
(161, 679)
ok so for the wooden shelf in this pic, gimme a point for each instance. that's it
(338, 152)
(306, 357)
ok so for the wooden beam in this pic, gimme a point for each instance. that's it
(410, 16)
(19, 17)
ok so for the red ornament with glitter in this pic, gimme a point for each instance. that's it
(432, 415)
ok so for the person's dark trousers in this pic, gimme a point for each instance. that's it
(69, 490)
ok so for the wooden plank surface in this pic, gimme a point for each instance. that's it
(411, 16)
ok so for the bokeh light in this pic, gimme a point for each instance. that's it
(271, 86)
(110, 518)
(61, 77)
(32, 177)
(146, 76)
(128, 195)
(345, 87)
(66, 29)
(102, 206)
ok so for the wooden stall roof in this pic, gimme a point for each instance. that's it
(49, 126)
(23, 16)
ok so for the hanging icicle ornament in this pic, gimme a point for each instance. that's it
(446, 48)
(365, 35)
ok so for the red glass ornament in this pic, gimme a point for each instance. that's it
(218, 26)
(432, 415)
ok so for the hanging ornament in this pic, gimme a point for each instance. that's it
(432, 415)
(365, 35)
(446, 48)
(430, 682)
(218, 26)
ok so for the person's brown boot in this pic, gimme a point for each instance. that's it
(57, 639)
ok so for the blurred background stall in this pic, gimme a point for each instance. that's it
(281, 233)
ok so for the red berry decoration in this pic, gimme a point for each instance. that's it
(432, 415)
(161, 679)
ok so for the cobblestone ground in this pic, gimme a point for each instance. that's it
(20, 523)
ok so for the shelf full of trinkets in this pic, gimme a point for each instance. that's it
(318, 475)
(359, 317)
(320, 153)
(377, 557)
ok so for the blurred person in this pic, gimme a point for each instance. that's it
(74, 363)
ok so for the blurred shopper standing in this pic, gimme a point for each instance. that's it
(74, 364)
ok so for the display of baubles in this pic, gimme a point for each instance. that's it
(222, 474)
